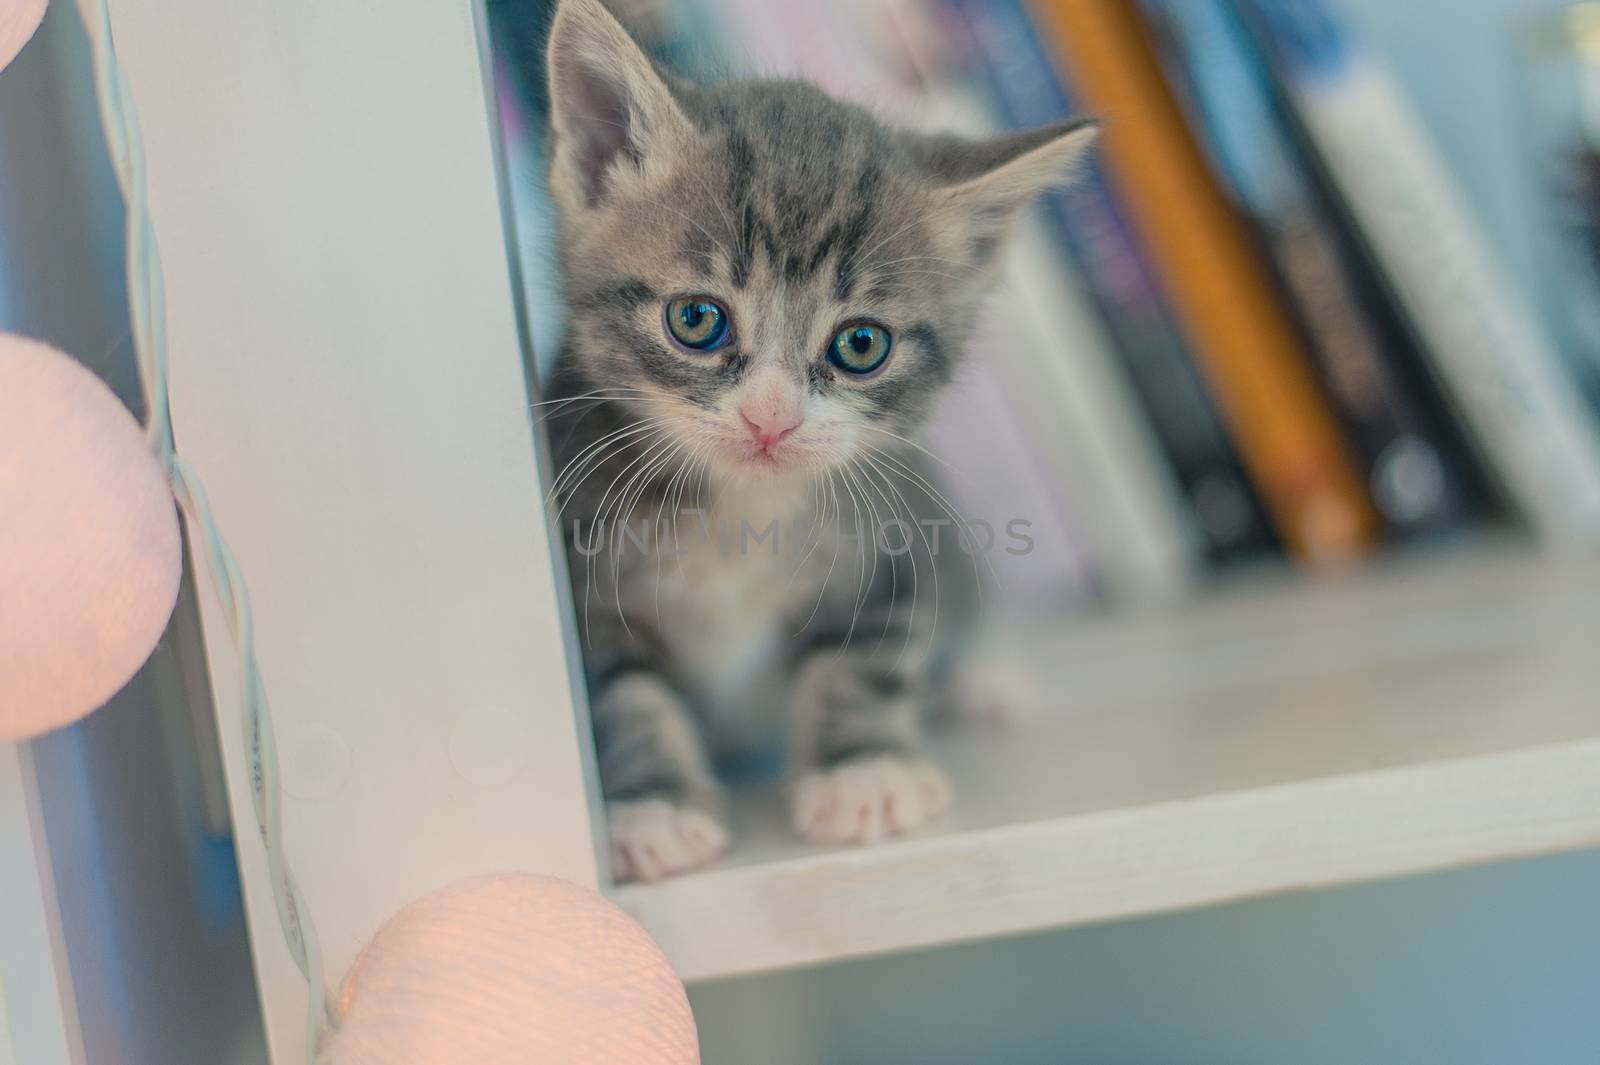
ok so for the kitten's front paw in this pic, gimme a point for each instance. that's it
(866, 800)
(652, 839)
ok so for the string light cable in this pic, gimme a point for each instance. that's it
(147, 309)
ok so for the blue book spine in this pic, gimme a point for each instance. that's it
(1367, 361)
(999, 41)
(1306, 37)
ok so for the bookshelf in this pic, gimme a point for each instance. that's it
(1426, 716)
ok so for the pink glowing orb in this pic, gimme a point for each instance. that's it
(513, 970)
(18, 20)
(89, 549)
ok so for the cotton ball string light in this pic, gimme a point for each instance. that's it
(513, 970)
(18, 21)
(89, 548)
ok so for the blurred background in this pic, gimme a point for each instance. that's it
(1225, 358)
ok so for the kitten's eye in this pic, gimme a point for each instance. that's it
(861, 348)
(697, 323)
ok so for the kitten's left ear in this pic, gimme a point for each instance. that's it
(612, 114)
(988, 182)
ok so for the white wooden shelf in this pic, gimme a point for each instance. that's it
(1399, 722)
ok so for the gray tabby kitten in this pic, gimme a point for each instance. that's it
(768, 289)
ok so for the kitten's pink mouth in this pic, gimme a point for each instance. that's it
(777, 459)
(765, 460)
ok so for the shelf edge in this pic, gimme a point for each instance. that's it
(1118, 864)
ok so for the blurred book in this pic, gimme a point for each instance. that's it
(1253, 357)
(1534, 433)
(1367, 361)
(996, 43)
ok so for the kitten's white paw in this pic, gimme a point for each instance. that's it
(865, 801)
(654, 839)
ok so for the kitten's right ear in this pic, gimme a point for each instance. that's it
(612, 115)
(988, 182)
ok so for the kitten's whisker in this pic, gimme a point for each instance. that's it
(644, 479)
(665, 464)
(559, 407)
(702, 459)
(880, 548)
(587, 395)
(908, 442)
(590, 405)
(716, 196)
(907, 275)
(863, 589)
(726, 217)
(822, 594)
(637, 483)
(603, 121)
(933, 558)
(816, 539)
(616, 452)
(590, 544)
(572, 430)
(650, 443)
(576, 461)
(588, 457)
(916, 271)
(862, 480)
(599, 531)
(921, 259)
(863, 255)
(700, 483)
(673, 501)
(723, 248)
(963, 526)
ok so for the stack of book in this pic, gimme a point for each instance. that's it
(1262, 325)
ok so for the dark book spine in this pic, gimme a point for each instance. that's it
(1366, 359)
(998, 40)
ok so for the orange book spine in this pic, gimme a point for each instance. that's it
(1242, 337)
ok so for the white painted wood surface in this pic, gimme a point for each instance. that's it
(347, 378)
(1277, 740)
(38, 1014)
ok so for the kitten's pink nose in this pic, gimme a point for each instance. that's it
(770, 423)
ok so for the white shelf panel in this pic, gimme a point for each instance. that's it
(1400, 722)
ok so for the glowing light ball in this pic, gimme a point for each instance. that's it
(514, 970)
(18, 20)
(89, 548)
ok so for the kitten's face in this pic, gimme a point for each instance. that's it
(781, 295)
(776, 279)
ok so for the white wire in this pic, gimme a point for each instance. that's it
(147, 306)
